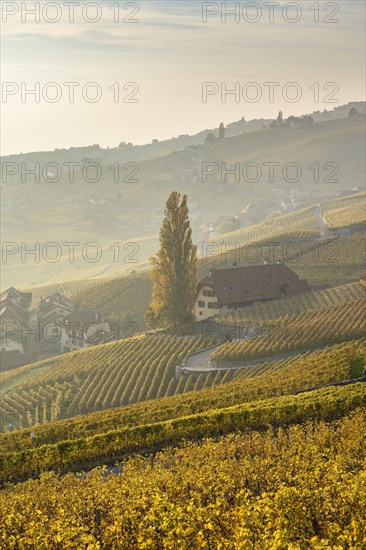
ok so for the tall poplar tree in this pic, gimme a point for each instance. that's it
(173, 272)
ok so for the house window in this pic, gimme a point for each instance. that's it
(209, 293)
(213, 305)
(201, 303)
(200, 312)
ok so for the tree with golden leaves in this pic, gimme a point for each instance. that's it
(173, 272)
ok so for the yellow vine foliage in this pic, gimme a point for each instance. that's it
(298, 488)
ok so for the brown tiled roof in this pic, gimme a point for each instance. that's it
(250, 283)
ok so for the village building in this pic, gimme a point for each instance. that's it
(84, 328)
(54, 308)
(224, 290)
(44, 339)
(55, 326)
(14, 305)
(14, 318)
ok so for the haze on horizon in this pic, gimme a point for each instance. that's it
(169, 52)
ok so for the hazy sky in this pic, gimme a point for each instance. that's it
(169, 53)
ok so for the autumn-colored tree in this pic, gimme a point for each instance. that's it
(173, 272)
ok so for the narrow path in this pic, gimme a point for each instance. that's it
(199, 362)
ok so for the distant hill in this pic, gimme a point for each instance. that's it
(126, 150)
(309, 165)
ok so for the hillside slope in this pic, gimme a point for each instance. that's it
(107, 212)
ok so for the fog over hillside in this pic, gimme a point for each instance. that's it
(101, 196)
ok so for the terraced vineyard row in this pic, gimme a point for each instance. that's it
(337, 261)
(298, 332)
(260, 313)
(343, 202)
(299, 235)
(326, 403)
(331, 364)
(288, 488)
(104, 376)
(300, 220)
(346, 216)
(105, 292)
(70, 288)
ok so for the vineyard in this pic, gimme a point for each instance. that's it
(331, 364)
(91, 261)
(347, 216)
(300, 220)
(248, 459)
(248, 490)
(297, 224)
(346, 250)
(343, 202)
(69, 288)
(143, 367)
(298, 332)
(116, 296)
(308, 257)
(311, 258)
(107, 294)
(326, 403)
(262, 312)
(110, 375)
(336, 261)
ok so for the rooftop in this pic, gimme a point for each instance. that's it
(250, 283)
